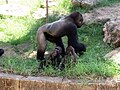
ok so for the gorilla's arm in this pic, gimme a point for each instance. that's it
(73, 40)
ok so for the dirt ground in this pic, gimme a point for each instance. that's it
(21, 50)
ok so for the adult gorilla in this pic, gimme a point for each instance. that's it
(54, 31)
(1, 52)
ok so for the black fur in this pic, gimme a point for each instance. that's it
(54, 32)
(1, 52)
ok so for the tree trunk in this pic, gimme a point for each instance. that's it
(46, 11)
(6, 1)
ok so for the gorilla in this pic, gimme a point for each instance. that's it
(54, 32)
(1, 52)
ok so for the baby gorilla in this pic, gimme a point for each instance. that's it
(71, 51)
(56, 56)
(58, 60)
(1, 52)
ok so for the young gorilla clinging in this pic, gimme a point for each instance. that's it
(57, 59)
(55, 56)
(54, 32)
(70, 50)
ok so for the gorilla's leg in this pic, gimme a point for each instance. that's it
(40, 54)
(42, 43)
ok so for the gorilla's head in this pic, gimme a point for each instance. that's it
(78, 19)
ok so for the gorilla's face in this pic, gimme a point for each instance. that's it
(78, 18)
(79, 21)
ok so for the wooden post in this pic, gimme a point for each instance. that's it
(6, 1)
(46, 11)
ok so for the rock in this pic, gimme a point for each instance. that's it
(102, 14)
(112, 32)
(85, 3)
(114, 55)
(93, 17)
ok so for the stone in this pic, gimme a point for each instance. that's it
(85, 2)
(17, 82)
(114, 55)
(102, 15)
(112, 32)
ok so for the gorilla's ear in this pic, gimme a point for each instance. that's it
(75, 15)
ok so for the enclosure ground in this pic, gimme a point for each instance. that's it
(18, 82)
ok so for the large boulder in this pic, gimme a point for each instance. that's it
(102, 14)
(112, 32)
(114, 55)
(85, 2)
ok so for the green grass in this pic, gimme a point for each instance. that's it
(66, 6)
(18, 30)
(104, 3)
(13, 28)
(19, 65)
(92, 63)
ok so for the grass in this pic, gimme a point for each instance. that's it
(66, 6)
(18, 30)
(92, 63)
(107, 3)
(19, 65)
